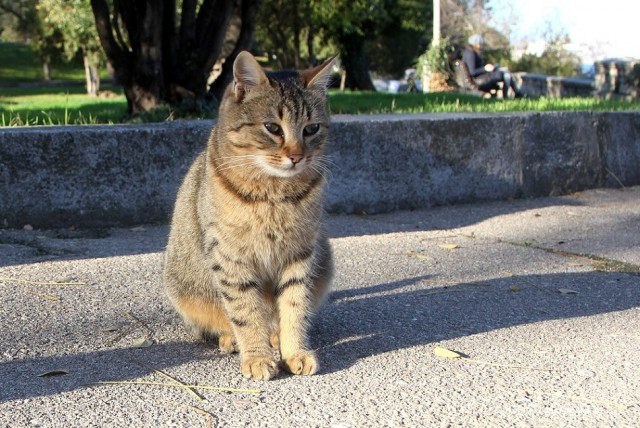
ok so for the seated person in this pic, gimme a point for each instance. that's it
(486, 76)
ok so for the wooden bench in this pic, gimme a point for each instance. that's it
(465, 82)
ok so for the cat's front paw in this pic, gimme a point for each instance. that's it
(259, 368)
(304, 363)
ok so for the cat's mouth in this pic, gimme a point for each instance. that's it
(285, 169)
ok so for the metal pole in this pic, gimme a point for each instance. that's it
(436, 21)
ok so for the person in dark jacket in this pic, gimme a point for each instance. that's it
(487, 76)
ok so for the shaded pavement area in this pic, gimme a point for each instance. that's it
(541, 297)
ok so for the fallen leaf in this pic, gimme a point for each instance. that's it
(446, 353)
(53, 373)
(515, 288)
(566, 291)
(142, 343)
(449, 246)
(586, 373)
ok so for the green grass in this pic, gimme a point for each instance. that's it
(372, 102)
(18, 63)
(48, 105)
(68, 105)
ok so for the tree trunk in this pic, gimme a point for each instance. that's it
(296, 35)
(355, 62)
(198, 50)
(137, 65)
(46, 70)
(156, 61)
(92, 76)
(141, 98)
(312, 55)
(248, 12)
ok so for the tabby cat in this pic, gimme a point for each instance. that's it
(247, 260)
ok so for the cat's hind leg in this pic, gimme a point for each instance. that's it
(227, 342)
(206, 320)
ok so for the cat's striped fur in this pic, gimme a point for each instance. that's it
(247, 260)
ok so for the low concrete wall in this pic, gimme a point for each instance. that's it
(98, 176)
(618, 79)
(542, 85)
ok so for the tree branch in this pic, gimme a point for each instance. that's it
(212, 24)
(117, 18)
(113, 50)
(248, 11)
(13, 12)
(169, 41)
(188, 25)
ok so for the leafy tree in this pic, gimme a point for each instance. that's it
(24, 23)
(555, 60)
(434, 66)
(163, 51)
(402, 37)
(349, 23)
(389, 34)
(343, 24)
(19, 17)
(286, 29)
(70, 23)
(558, 60)
(462, 18)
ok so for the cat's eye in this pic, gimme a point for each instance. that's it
(274, 128)
(311, 129)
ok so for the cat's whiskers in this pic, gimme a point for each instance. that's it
(319, 165)
(327, 160)
(229, 162)
(239, 165)
(232, 158)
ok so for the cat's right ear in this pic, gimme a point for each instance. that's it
(247, 74)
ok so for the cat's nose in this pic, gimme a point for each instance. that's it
(295, 157)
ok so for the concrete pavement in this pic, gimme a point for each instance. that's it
(540, 296)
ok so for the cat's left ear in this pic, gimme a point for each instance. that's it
(247, 74)
(319, 76)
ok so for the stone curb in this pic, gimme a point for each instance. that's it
(103, 176)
